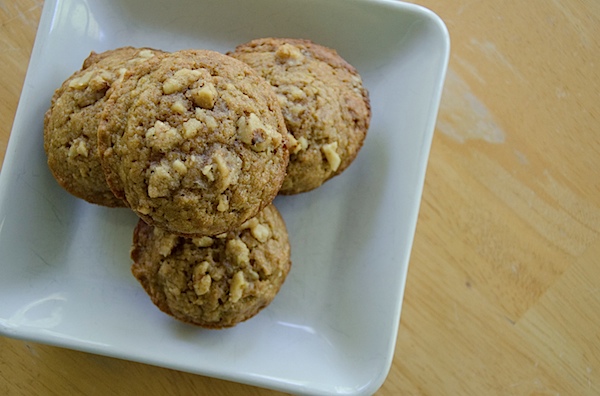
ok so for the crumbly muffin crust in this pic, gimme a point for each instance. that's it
(213, 282)
(325, 106)
(71, 123)
(195, 142)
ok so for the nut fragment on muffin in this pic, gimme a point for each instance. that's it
(325, 105)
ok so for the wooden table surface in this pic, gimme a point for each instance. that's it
(503, 291)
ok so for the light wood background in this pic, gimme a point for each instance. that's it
(503, 292)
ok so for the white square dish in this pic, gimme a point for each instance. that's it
(64, 264)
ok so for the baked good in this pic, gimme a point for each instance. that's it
(71, 123)
(324, 103)
(213, 282)
(194, 141)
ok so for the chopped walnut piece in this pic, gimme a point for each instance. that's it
(78, 148)
(178, 107)
(162, 137)
(201, 280)
(333, 158)
(289, 53)
(203, 116)
(167, 243)
(261, 233)
(205, 97)
(202, 285)
(253, 132)
(249, 223)
(204, 241)
(191, 128)
(181, 80)
(303, 143)
(258, 231)
(223, 203)
(238, 284)
(240, 252)
(161, 181)
(222, 168)
(101, 81)
(179, 167)
(207, 171)
(146, 54)
(297, 145)
(81, 82)
(227, 166)
(296, 93)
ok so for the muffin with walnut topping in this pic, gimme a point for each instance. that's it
(194, 142)
(325, 106)
(214, 282)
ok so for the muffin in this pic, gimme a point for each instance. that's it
(194, 142)
(325, 106)
(213, 282)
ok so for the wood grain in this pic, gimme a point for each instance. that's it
(503, 293)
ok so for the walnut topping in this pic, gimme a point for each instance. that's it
(289, 53)
(331, 155)
(205, 97)
(207, 171)
(238, 284)
(81, 82)
(223, 169)
(161, 181)
(258, 231)
(146, 54)
(203, 116)
(78, 148)
(162, 137)
(204, 241)
(178, 107)
(201, 279)
(303, 143)
(297, 145)
(101, 81)
(253, 132)
(261, 233)
(202, 285)
(227, 166)
(254, 276)
(223, 203)
(191, 128)
(179, 167)
(240, 252)
(167, 243)
(181, 80)
(142, 56)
